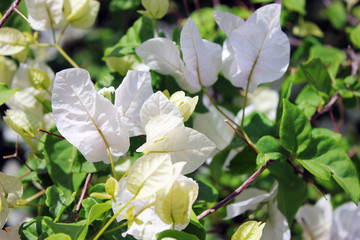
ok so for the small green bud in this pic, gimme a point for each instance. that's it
(102, 196)
(155, 9)
(38, 79)
(112, 187)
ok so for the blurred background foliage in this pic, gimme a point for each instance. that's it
(326, 29)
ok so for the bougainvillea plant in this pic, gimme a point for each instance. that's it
(230, 126)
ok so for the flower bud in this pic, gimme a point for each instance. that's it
(38, 79)
(107, 92)
(186, 105)
(112, 187)
(155, 9)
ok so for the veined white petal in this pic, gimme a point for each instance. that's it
(86, 119)
(130, 96)
(202, 58)
(262, 50)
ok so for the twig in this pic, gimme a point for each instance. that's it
(11, 9)
(54, 134)
(326, 108)
(334, 122)
(354, 61)
(186, 8)
(16, 155)
(82, 196)
(242, 137)
(305, 177)
(236, 192)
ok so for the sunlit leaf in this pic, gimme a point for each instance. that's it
(250, 230)
(12, 41)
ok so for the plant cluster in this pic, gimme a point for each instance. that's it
(173, 129)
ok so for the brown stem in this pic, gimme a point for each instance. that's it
(334, 122)
(242, 137)
(11, 9)
(16, 155)
(186, 8)
(354, 61)
(303, 176)
(82, 196)
(327, 107)
(54, 134)
(236, 192)
(29, 199)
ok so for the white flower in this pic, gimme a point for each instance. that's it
(257, 50)
(201, 58)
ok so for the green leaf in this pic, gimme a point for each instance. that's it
(60, 155)
(325, 158)
(57, 201)
(302, 52)
(355, 36)
(337, 14)
(305, 28)
(251, 230)
(331, 57)
(72, 229)
(292, 189)
(95, 212)
(285, 92)
(308, 100)
(204, 18)
(59, 236)
(317, 75)
(195, 227)
(6, 93)
(176, 235)
(243, 162)
(36, 229)
(207, 192)
(256, 126)
(271, 149)
(141, 31)
(295, 129)
(116, 5)
(295, 5)
(12, 41)
(217, 163)
(81, 165)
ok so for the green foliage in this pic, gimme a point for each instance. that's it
(325, 158)
(60, 156)
(57, 201)
(295, 129)
(176, 235)
(6, 93)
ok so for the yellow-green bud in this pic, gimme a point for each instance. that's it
(112, 187)
(102, 196)
(155, 9)
(7, 70)
(186, 105)
(38, 79)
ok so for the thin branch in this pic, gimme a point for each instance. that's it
(82, 196)
(242, 137)
(327, 107)
(236, 192)
(186, 6)
(334, 122)
(354, 61)
(16, 155)
(305, 177)
(54, 134)
(11, 9)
